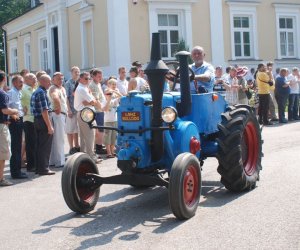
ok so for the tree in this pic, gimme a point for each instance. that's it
(10, 9)
(182, 46)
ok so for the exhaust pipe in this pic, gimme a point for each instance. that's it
(156, 72)
(185, 106)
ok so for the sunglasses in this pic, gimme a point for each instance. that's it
(87, 78)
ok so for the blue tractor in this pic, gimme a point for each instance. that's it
(163, 140)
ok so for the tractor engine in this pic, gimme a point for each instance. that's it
(134, 114)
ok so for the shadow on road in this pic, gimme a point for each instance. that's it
(216, 195)
(148, 207)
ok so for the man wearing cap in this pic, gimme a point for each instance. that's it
(204, 72)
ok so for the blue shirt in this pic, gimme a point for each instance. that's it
(70, 86)
(4, 100)
(39, 102)
(15, 100)
(279, 89)
(203, 69)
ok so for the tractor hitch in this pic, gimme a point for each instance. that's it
(94, 181)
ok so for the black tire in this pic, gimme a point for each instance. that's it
(79, 199)
(185, 186)
(240, 148)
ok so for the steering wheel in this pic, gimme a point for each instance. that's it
(174, 73)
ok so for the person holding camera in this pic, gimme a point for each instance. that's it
(282, 91)
(219, 81)
(112, 96)
(264, 79)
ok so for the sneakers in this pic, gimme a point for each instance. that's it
(5, 183)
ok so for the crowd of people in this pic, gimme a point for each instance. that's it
(38, 110)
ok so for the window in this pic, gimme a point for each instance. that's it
(287, 36)
(243, 29)
(87, 36)
(88, 60)
(173, 19)
(14, 60)
(44, 54)
(242, 37)
(287, 29)
(168, 25)
(27, 53)
(34, 3)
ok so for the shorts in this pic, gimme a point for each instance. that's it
(71, 126)
(100, 120)
(110, 136)
(5, 152)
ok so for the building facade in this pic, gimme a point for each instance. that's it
(57, 34)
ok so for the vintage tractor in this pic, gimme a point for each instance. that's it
(163, 140)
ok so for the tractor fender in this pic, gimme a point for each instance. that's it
(184, 132)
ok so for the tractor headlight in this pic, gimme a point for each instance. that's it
(87, 115)
(169, 114)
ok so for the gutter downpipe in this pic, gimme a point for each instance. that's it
(5, 52)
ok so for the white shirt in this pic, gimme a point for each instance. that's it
(140, 83)
(15, 100)
(122, 85)
(294, 86)
(82, 94)
(111, 114)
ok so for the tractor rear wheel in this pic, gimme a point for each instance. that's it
(79, 197)
(185, 186)
(240, 149)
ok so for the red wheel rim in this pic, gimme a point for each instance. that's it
(251, 149)
(84, 193)
(190, 185)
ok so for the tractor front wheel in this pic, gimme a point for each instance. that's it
(79, 196)
(185, 186)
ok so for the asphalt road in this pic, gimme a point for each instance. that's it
(35, 216)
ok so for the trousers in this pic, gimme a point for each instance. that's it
(281, 101)
(293, 106)
(87, 137)
(30, 144)
(57, 156)
(16, 130)
(263, 108)
(43, 145)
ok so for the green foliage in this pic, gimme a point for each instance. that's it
(182, 46)
(10, 9)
